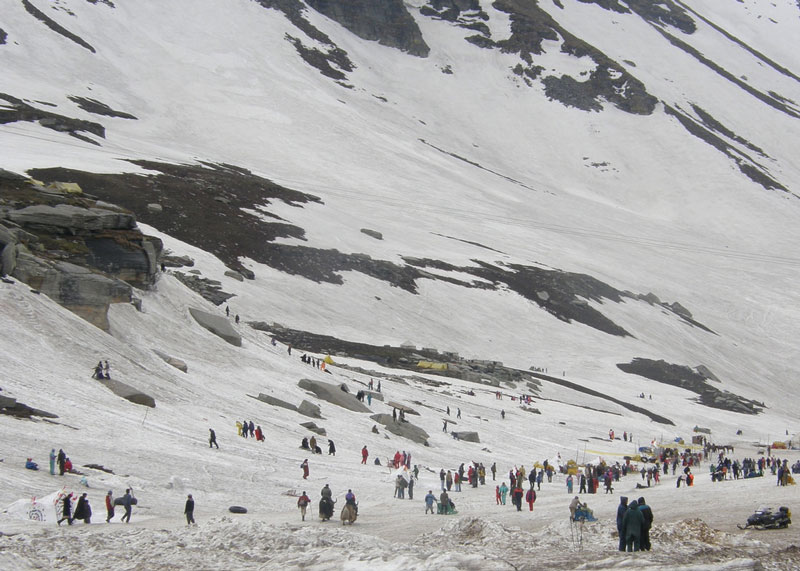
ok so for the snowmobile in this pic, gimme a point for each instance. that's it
(765, 518)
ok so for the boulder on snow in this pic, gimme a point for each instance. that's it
(467, 436)
(308, 408)
(269, 399)
(235, 275)
(312, 426)
(129, 393)
(375, 395)
(333, 394)
(404, 429)
(177, 363)
(404, 408)
(218, 325)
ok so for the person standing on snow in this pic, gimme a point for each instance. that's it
(331, 448)
(53, 462)
(430, 499)
(503, 492)
(364, 454)
(302, 503)
(304, 466)
(647, 514)
(109, 506)
(621, 510)
(62, 460)
(632, 523)
(188, 510)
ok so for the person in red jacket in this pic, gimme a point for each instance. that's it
(109, 506)
(364, 455)
(302, 503)
(304, 466)
(530, 497)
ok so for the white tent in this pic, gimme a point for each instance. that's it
(46, 509)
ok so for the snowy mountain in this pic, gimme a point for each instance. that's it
(578, 200)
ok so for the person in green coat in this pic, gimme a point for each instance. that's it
(503, 492)
(632, 523)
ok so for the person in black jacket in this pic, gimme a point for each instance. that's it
(83, 510)
(188, 510)
(623, 507)
(66, 509)
(648, 523)
(62, 460)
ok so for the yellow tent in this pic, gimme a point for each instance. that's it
(432, 365)
(328, 360)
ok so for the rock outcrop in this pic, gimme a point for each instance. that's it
(83, 253)
(218, 325)
(403, 429)
(467, 436)
(175, 362)
(129, 393)
(333, 394)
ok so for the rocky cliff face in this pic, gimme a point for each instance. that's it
(83, 253)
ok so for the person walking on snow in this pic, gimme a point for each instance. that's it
(530, 497)
(127, 502)
(188, 510)
(212, 438)
(364, 454)
(304, 466)
(109, 506)
(302, 503)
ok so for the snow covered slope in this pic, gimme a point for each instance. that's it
(538, 153)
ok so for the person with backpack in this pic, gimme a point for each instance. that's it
(516, 497)
(302, 503)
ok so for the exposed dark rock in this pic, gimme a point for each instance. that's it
(609, 81)
(665, 12)
(749, 167)
(210, 290)
(321, 60)
(190, 212)
(576, 387)
(98, 108)
(385, 21)
(218, 325)
(466, 14)
(372, 233)
(50, 23)
(177, 261)
(695, 380)
(3, 36)
(235, 275)
(11, 407)
(18, 110)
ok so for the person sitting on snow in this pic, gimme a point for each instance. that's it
(31, 465)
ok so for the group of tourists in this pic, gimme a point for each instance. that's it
(248, 428)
